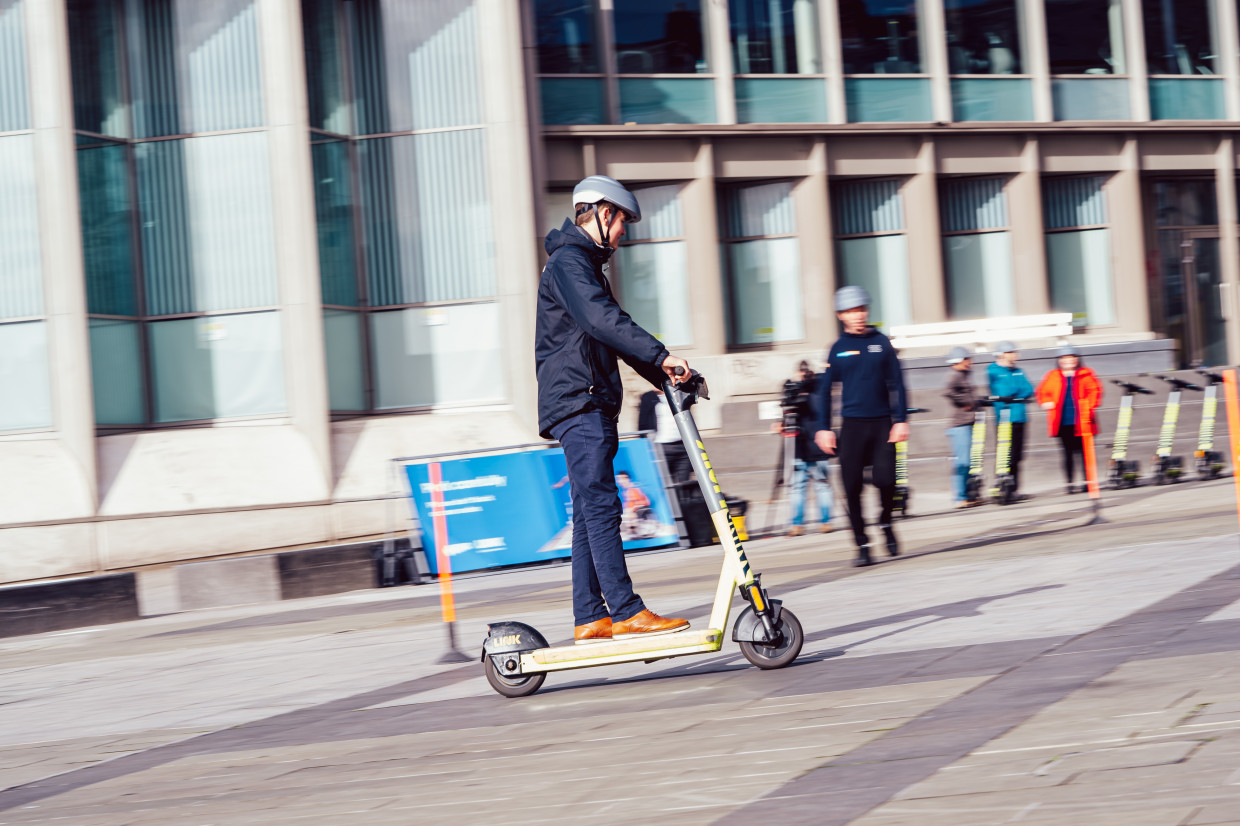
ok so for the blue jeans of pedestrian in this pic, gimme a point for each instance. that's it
(961, 439)
(803, 473)
(600, 575)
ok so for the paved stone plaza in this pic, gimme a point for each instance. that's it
(1017, 665)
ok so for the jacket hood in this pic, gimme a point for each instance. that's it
(571, 235)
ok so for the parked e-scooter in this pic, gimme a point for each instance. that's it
(1209, 461)
(1123, 472)
(977, 452)
(1004, 489)
(904, 493)
(1168, 468)
(517, 658)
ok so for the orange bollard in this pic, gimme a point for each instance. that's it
(1233, 428)
(439, 521)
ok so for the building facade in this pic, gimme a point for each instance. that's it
(255, 249)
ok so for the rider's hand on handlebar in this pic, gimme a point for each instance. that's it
(825, 439)
(669, 366)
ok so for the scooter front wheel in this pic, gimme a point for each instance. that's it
(513, 686)
(782, 653)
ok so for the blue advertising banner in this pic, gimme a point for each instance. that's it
(515, 508)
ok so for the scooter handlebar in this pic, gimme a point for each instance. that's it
(1132, 388)
(1180, 384)
(1213, 378)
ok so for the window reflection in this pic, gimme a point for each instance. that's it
(565, 32)
(982, 37)
(1085, 37)
(652, 38)
(879, 37)
(1178, 38)
(775, 36)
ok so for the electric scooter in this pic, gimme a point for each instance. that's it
(1122, 471)
(517, 658)
(1004, 490)
(1168, 468)
(904, 493)
(1209, 461)
(977, 452)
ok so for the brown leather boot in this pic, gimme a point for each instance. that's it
(647, 623)
(597, 631)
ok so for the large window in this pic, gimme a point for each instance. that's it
(772, 38)
(1085, 44)
(653, 267)
(654, 38)
(871, 247)
(977, 248)
(406, 260)
(1182, 53)
(983, 41)
(176, 211)
(1078, 249)
(571, 80)
(882, 53)
(763, 263)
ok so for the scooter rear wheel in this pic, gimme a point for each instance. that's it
(513, 686)
(777, 656)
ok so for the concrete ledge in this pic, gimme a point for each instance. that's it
(318, 571)
(67, 603)
(236, 581)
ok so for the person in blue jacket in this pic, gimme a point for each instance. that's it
(1008, 381)
(580, 332)
(873, 411)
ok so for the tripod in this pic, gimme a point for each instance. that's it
(783, 475)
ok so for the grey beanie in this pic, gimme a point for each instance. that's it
(1067, 350)
(851, 297)
(957, 355)
(1006, 347)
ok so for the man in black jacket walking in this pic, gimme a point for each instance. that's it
(581, 330)
(873, 411)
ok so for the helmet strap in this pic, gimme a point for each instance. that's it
(603, 233)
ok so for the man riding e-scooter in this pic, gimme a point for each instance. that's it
(580, 332)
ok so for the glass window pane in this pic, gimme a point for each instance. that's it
(667, 100)
(1183, 98)
(21, 274)
(419, 354)
(778, 37)
(1085, 37)
(207, 231)
(880, 37)
(565, 33)
(96, 53)
(780, 100)
(571, 100)
(328, 97)
(866, 206)
(342, 338)
(972, 203)
(25, 381)
(116, 372)
(995, 99)
(880, 264)
(416, 65)
(658, 37)
(106, 205)
(654, 290)
(1079, 264)
(888, 99)
(983, 38)
(660, 213)
(1073, 202)
(14, 108)
(217, 367)
(765, 291)
(1088, 98)
(759, 209)
(1178, 37)
(558, 208)
(1185, 203)
(333, 212)
(979, 275)
(427, 217)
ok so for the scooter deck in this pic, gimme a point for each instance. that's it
(621, 651)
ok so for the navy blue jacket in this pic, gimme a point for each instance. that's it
(867, 366)
(581, 331)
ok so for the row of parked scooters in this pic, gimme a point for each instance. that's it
(1122, 472)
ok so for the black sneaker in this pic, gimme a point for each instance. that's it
(863, 557)
(893, 545)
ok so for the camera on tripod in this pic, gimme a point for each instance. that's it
(795, 398)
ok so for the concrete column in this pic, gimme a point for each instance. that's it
(1229, 242)
(1024, 193)
(833, 61)
(511, 180)
(1227, 47)
(1128, 249)
(927, 286)
(934, 57)
(701, 232)
(296, 231)
(813, 209)
(719, 42)
(1036, 58)
(60, 247)
(1138, 72)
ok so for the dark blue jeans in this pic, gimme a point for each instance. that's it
(590, 441)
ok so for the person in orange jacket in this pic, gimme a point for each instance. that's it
(1071, 394)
